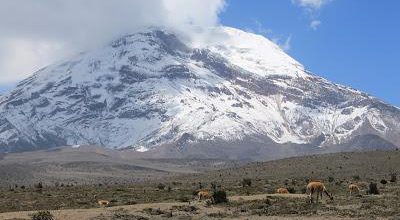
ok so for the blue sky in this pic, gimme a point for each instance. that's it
(357, 43)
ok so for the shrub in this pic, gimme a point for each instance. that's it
(383, 181)
(42, 215)
(291, 190)
(132, 202)
(286, 182)
(219, 196)
(152, 211)
(356, 177)
(331, 179)
(161, 186)
(393, 177)
(246, 182)
(38, 185)
(373, 189)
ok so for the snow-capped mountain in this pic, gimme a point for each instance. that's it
(151, 90)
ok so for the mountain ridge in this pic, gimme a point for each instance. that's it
(151, 89)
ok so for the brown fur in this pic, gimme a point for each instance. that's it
(103, 202)
(203, 195)
(318, 188)
(353, 188)
(282, 191)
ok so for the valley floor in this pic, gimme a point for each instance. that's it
(250, 189)
(182, 210)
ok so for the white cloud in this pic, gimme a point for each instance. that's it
(312, 7)
(311, 4)
(281, 41)
(315, 24)
(286, 45)
(35, 33)
(260, 29)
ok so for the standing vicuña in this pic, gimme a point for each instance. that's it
(353, 188)
(318, 188)
(203, 195)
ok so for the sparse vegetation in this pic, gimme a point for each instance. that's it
(181, 192)
(42, 215)
(152, 211)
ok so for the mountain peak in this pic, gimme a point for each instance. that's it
(154, 90)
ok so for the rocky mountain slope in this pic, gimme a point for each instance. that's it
(239, 96)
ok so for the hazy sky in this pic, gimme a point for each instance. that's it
(355, 43)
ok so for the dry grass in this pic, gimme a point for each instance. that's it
(252, 201)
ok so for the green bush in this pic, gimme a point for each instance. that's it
(42, 215)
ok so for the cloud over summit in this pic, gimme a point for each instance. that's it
(37, 32)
